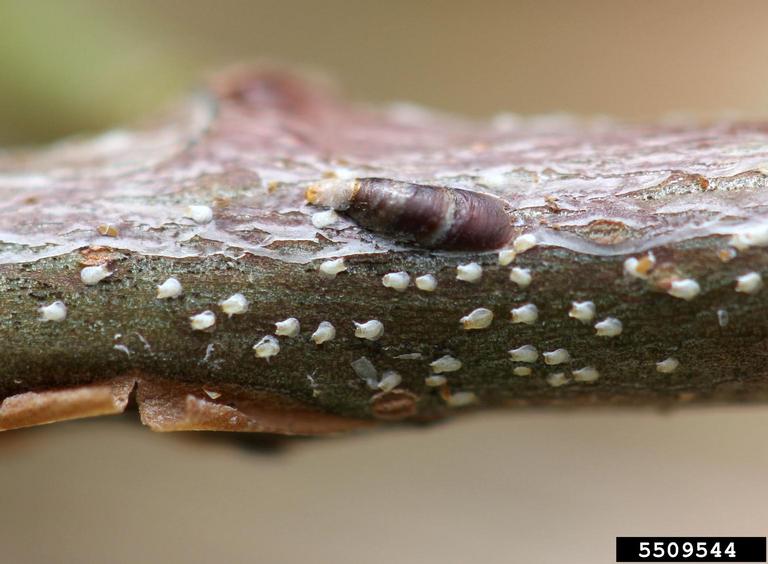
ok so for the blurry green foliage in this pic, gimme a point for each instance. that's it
(69, 66)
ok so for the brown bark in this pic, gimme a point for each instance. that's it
(687, 201)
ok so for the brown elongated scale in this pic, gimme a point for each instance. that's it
(436, 217)
(629, 270)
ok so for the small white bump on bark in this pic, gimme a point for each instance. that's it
(521, 276)
(583, 311)
(507, 257)
(169, 289)
(389, 381)
(445, 363)
(557, 379)
(527, 314)
(526, 353)
(685, 289)
(288, 327)
(667, 366)
(479, 318)
(57, 311)
(426, 283)
(371, 330)
(365, 369)
(203, 320)
(756, 236)
(325, 332)
(435, 380)
(410, 356)
(639, 268)
(470, 272)
(586, 374)
(524, 242)
(558, 356)
(324, 218)
(236, 304)
(91, 275)
(331, 268)
(267, 347)
(461, 399)
(608, 327)
(396, 280)
(750, 283)
(199, 214)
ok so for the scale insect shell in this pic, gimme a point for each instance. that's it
(436, 217)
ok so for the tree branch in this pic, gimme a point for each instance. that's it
(660, 227)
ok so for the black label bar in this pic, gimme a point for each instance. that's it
(690, 549)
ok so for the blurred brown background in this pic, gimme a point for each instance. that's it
(516, 487)
(84, 64)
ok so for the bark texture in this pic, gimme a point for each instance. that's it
(689, 202)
